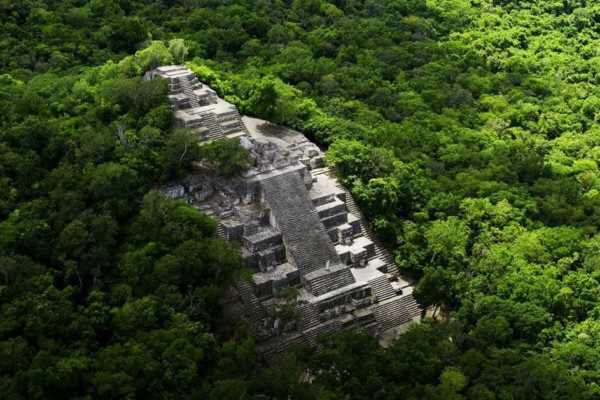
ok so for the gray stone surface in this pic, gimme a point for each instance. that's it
(305, 237)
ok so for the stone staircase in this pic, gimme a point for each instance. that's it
(306, 240)
(187, 89)
(409, 303)
(391, 313)
(332, 326)
(307, 317)
(382, 288)
(254, 310)
(331, 281)
(241, 127)
(220, 232)
(214, 131)
(274, 352)
(387, 257)
(230, 126)
(279, 347)
(380, 252)
(372, 328)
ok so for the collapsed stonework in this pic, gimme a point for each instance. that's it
(296, 225)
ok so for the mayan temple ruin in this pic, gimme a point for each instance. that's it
(296, 225)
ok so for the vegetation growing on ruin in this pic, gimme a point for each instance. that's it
(467, 130)
(227, 157)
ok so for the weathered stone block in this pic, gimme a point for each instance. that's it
(173, 191)
(261, 240)
(361, 303)
(345, 234)
(233, 230)
(359, 257)
(344, 253)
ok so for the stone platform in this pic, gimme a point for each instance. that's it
(297, 228)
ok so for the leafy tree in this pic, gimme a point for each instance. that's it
(227, 157)
(180, 151)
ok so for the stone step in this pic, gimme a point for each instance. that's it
(236, 135)
(264, 259)
(359, 318)
(175, 88)
(186, 88)
(307, 317)
(322, 198)
(378, 264)
(331, 281)
(356, 224)
(272, 281)
(352, 256)
(357, 253)
(279, 347)
(335, 220)
(341, 232)
(383, 256)
(391, 313)
(384, 265)
(191, 121)
(320, 171)
(242, 127)
(312, 334)
(270, 257)
(380, 251)
(230, 114)
(411, 305)
(213, 127)
(393, 269)
(252, 306)
(334, 207)
(382, 288)
(220, 232)
(372, 328)
(263, 239)
(231, 126)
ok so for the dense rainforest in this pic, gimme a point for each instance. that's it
(468, 131)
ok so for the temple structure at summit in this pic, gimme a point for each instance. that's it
(297, 228)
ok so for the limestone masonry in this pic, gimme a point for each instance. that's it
(297, 227)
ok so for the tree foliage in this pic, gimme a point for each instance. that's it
(467, 130)
(227, 157)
